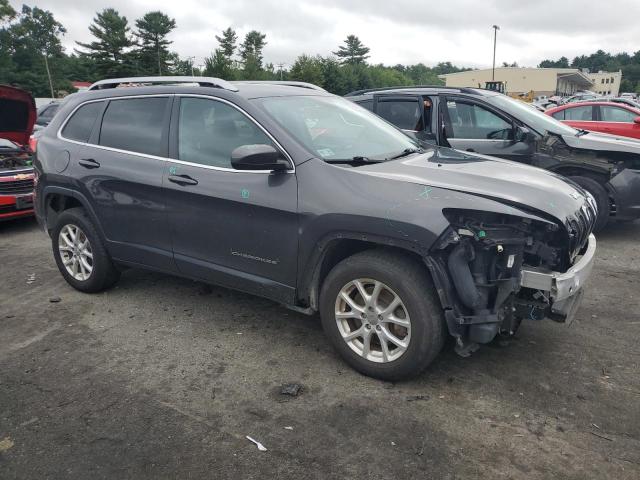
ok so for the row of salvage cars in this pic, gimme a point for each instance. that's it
(397, 238)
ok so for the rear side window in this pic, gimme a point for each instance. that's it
(81, 123)
(368, 104)
(135, 125)
(405, 114)
(580, 114)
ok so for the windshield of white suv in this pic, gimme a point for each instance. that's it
(335, 129)
(533, 118)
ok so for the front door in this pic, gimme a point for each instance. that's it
(230, 227)
(474, 127)
(618, 121)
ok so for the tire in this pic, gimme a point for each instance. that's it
(102, 273)
(400, 276)
(602, 200)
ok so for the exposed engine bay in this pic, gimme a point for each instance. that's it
(483, 256)
(13, 157)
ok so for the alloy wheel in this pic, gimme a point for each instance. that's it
(373, 320)
(75, 252)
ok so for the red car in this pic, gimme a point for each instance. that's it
(17, 116)
(606, 117)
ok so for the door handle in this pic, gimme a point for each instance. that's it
(89, 163)
(183, 180)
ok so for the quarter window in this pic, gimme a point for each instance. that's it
(208, 131)
(475, 122)
(615, 114)
(583, 113)
(558, 115)
(80, 125)
(368, 104)
(135, 125)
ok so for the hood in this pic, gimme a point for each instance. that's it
(17, 114)
(502, 180)
(603, 142)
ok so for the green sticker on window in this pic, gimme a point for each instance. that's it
(245, 193)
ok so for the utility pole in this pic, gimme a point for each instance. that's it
(191, 60)
(159, 64)
(280, 65)
(46, 64)
(495, 36)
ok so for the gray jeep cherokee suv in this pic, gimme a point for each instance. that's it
(293, 194)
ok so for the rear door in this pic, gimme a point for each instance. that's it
(230, 227)
(578, 116)
(119, 170)
(407, 112)
(618, 121)
(476, 127)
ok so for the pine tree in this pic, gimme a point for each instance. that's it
(111, 49)
(353, 51)
(251, 50)
(228, 42)
(152, 53)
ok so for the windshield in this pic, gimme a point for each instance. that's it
(336, 129)
(533, 118)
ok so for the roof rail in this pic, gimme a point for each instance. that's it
(382, 89)
(202, 81)
(287, 83)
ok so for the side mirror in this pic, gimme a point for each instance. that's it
(636, 120)
(258, 157)
(522, 134)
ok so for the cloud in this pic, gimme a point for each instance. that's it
(399, 31)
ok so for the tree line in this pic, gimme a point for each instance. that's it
(601, 60)
(32, 56)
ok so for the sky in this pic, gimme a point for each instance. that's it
(396, 31)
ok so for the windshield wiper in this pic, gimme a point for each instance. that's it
(406, 152)
(356, 159)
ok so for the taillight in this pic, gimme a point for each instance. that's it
(33, 143)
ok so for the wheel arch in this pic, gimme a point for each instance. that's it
(58, 199)
(335, 248)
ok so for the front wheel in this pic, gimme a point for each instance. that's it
(380, 312)
(601, 197)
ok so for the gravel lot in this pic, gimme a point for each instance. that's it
(162, 377)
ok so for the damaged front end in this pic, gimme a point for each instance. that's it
(497, 270)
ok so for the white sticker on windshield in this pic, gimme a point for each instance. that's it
(326, 152)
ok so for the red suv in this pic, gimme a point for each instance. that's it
(17, 116)
(606, 117)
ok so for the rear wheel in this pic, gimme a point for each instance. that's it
(380, 312)
(79, 253)
(602, 199)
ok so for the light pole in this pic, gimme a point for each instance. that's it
(495, 36)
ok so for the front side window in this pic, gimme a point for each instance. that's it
(469, 120)
(135, 125)
(558, 115)
(583, 113)
(80, 125)
(336, 129)
(208, 131)
(616, 114)
(405, 114)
